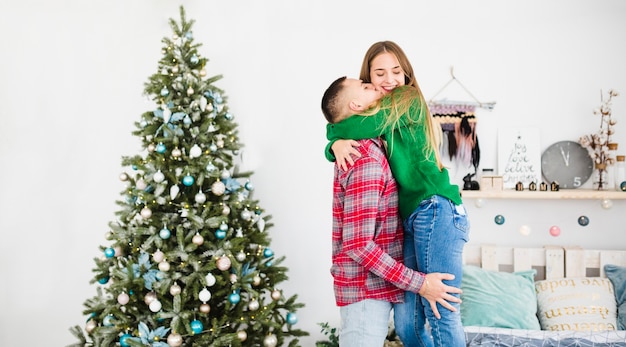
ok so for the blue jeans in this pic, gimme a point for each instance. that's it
(364, 323)
(434, 237)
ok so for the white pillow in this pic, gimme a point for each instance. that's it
(580, 304)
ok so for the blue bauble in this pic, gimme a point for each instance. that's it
(229, 116)
(188, 180)
(234, 298)
(267, 252)
(622, 186)
(499, 219)
(104, 280)
(124, 340)
(196, 326)
(583, 221)
(291, 318)
(165, 233)
(109, 252)
(220, 234)
(160, 148)
(249, 186)
(108, 320)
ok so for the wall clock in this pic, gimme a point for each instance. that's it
(567, 163)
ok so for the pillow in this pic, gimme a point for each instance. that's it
(580, 304)
(498, 299)
(617, 276)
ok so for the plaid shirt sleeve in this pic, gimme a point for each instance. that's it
(365, 233)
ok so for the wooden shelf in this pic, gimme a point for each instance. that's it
(561, 194)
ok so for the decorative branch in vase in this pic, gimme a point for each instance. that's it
(599, 145)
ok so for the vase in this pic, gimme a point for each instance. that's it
(599, 177)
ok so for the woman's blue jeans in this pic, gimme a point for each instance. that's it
(434, 237)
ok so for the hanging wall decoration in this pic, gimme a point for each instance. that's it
(459, 140)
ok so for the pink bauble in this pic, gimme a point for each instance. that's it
(123, 298)
(223, 263)
(555, 231)
(174, 340)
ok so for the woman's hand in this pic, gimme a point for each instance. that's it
(435, 291)
(343, 149)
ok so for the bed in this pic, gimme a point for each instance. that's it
(549, 296)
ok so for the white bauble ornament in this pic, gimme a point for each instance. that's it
(223, 263)
(167, 113)
(253, 305)
(256, 281)
(233, 278)
(225, 174)
(174, 192)
(141, 184)
(195, 151)
(149, 298)
(146, 213)
(200, 198)
(151, 147)
(261, 224)
(123, 177)
(197, 239)
(204, 295)
(203, 101)
(218, 188)
(175, 289)
(270, 341)
(205, 308)
(210, 279)
(219, 143)
(226, 210)
(175, 340)
(246, 214)
(155, 306)
(90, 326)
(158, 177)
(241, 256)
(242, 335)
(123, 298)
(164, 266)
(158, 256)
(276, 294)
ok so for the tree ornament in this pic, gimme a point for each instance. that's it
(165, 91)
(256, 280)
(291, 318)
(267, 252)
(175, 340)
(241, 256)
(155, 306)
(234, 298)
(249, 186)
(104, 280)
(164, 266)
(151, 147)
(242, 335)
(124, 340)
(160, 148)
(246, 215)
(223, 263)
(213, 148)
(141, 184)
(219, 143)
(276, 295)
(165, 233)
(270, 341)
(204, 295)
(149, 297)
(210, 167)
(261, 224)
(158, 256)
(253, 305)
(220, 234)
(123, 177)
(176, 152)
(233, 278)
(205, 308)
(188, 180)
(90, 326)
(175, 289)
(196, 326)
(174, 192)
(195, 151)
(123, 298)
(158, 177)
(109, 252)
(210, 279)
(226, 210)
(108, 321)
(197, 239)
(202, 72)
(146, 213)
(190, 91)
(225, 174)
(218, 188)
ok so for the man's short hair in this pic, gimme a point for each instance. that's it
(331, 102)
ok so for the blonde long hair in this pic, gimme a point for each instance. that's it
(401, 102)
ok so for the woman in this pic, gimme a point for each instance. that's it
(436, 226)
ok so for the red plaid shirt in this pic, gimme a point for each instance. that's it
(367, 232)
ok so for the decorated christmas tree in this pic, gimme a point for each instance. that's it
(188, 260)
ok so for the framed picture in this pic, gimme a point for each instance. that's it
(519, 156)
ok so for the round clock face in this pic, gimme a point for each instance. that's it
(566, 163)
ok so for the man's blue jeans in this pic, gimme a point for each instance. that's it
(434, 237)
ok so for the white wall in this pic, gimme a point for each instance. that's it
(72, 75)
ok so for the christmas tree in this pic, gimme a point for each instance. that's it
(188, 261)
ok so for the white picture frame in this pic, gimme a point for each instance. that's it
(519, 156)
